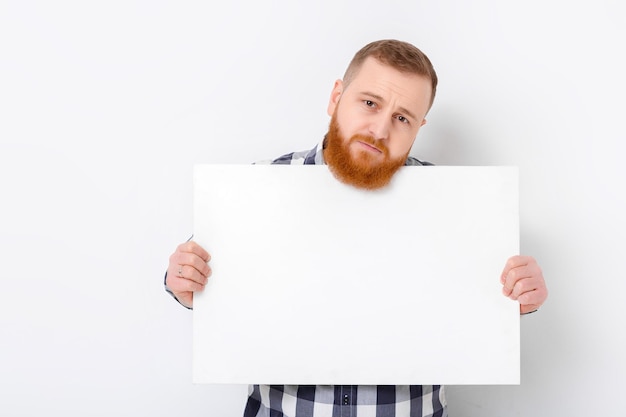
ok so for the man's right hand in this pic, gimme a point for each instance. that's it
(188, 271)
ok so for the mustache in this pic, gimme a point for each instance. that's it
(370, 140)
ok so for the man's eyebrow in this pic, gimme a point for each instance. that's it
(379, 98)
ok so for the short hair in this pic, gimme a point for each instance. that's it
(399, 55)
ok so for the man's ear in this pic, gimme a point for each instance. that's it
(335, 95)
(423, 122)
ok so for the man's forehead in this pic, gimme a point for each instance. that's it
(383, 82)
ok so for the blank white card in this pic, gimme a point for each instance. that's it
(316, 282)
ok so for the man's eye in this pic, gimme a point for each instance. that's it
(403, 119)
(369, 103)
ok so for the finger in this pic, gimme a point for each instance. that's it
(193, 247)
(534, 297)
(524, 271)
(527, 298)
(512, 263)
(188, 285)
(513, 277)
(176, 272)
(180, 284)
(192, 274)
(523, 286)
(186, 297)
(182, 257)
(194, 261)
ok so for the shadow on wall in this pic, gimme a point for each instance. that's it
(450, 138)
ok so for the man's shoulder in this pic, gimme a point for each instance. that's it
(307, 157)
(412, 161)
(292, 158)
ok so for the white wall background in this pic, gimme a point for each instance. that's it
(106, 106)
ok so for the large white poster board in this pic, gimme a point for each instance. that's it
(316, 282)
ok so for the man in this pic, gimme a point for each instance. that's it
(376, 112)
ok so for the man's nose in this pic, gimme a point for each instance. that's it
(379, 126)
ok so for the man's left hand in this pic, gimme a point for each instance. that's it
(522, 280)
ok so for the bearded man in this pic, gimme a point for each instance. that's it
(376, 111)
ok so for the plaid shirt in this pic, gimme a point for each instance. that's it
(343, 400)
(315, 156)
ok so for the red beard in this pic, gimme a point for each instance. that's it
(362, 170)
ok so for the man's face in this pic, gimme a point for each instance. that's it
(375, 120)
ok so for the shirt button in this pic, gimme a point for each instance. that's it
(346, 399)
